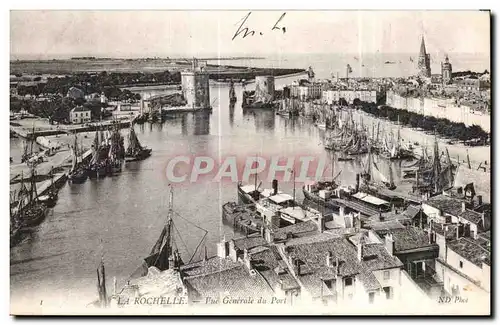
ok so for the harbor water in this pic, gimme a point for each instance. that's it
(118, 219)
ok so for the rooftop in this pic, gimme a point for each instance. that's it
(471, 216)
(249, 242)
(450, 205)
(80, 109)
(236, 282)
(472, 250)
(296, 230)
(410, 238)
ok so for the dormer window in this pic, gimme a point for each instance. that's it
(348, 281)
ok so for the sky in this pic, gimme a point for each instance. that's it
(55, 34)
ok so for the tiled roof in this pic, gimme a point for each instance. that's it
(296, 230)
(236, 282)
(369, 281)
(265, 262)
(385, 226)
(211, 265)
(471, 216)
(485, 235)
(449, 230)
(80, 109)
(471, 249)
(249, 242)
(412, 211)
(450, 205)
(410, 238)
(313, 256)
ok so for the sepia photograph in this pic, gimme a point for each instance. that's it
(250, 162)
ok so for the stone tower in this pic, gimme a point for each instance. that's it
(424, 61)
(196, 86)
(446, 70)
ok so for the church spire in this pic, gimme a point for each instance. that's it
(422, 47)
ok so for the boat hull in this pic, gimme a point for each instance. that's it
(34, 216)
(318, 200)
(78, 178)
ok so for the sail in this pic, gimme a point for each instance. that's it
(160, 254)
(377, 175)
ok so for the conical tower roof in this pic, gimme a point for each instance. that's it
(422, 47)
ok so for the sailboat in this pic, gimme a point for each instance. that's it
(159, 272)
(33, 212)
(100, 150)
(232, 94)
(397, 151)
(50, 198)
(321, 192)
(116, 153)
(135, 151)
(77, 174)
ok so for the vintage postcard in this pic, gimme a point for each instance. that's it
(277, 162)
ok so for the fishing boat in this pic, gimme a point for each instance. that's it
(116, 153)
(78, 174)
(232, 94)
(135, 151)
(159, 273)
(288, 108)
(250, 102)
(396, 151)
(50, 198)
(31, 211)
(320, 192)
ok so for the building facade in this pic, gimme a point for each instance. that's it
(80, 115)
(333, 96)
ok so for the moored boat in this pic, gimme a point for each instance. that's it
(135, 151)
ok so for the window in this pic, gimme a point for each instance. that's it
(388, 292)
(348, 281)
(461, 264)
(371, 297)
(387, 275)
(328, 283)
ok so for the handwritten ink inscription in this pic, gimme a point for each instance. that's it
(245, 31)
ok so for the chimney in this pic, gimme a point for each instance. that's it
(463, 206)
(223, 248)
(275, 186)
(232, 251)
(380, 216)
(389, 244)
(297, 267)
(337, 266)
(329, 259)
(458, 232)
(361, 247)
(341, 210)
(482, 221)
(205, 257)
(479, 200)
(357, 183)
(321, 222)
(247, 259)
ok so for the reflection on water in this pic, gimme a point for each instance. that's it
(121, 217)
